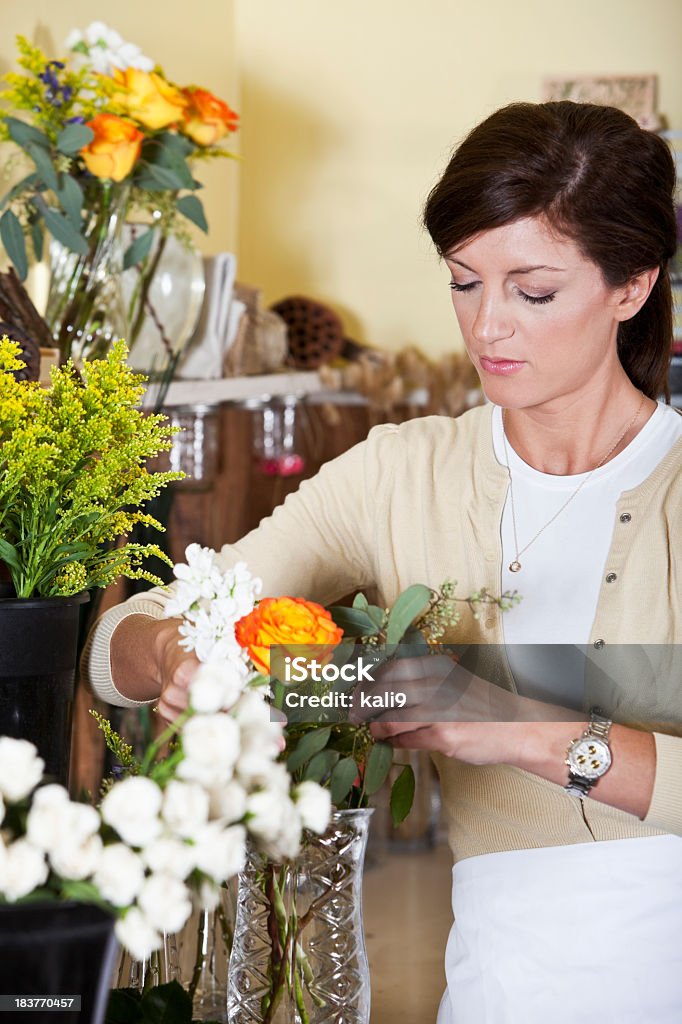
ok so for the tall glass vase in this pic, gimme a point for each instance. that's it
(298, 955)
(85, 307)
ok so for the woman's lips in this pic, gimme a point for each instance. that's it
(501, 367)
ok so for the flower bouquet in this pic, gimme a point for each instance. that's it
(106, 134)
(163, 838)
(298, 947)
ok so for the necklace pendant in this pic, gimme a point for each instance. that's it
(515, 566)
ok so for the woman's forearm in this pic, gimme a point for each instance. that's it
(629, 782)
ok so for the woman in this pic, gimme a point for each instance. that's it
(556, 223)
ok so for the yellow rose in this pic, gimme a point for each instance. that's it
(286, 622)
(149, 98)
(207, 118)
(115, 148)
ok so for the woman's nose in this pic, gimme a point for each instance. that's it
(492, 322)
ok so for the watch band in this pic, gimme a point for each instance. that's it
(598, 727)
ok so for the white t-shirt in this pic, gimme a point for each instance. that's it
(562, 570)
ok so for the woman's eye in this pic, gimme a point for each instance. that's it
(537, 300)
(462, 287)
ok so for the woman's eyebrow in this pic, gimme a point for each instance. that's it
(516, 270)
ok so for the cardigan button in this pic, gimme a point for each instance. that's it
(611, 577)
(598, 644)
(625, 517)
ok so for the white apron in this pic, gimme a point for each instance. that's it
(591, 931)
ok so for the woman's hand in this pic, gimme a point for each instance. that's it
(447, 709)
(175, 667)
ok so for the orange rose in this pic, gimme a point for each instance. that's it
(149, 98)
(207, 119)
(287, 622)
(115, 148)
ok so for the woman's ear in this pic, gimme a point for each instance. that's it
(631, 296)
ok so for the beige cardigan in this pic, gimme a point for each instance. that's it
(421, 503)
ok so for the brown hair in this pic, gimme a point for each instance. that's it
(599, 179)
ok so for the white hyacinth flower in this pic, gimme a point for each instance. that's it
(220, 852)
(20, 768)
(76, 860)
(132, 807)
(23, 868)
(217, 685)
(211, 747)
(185, 807)
(136, 934)
(165, 902)
(314, 804)
(119, 875)
(169, 856)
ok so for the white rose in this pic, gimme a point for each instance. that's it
(132, 808)
(22, 869)
(76, 860)
(208, 895)
(228, 802)
(169, 856)
(220, 853)
(211, 747)
(251, 711)
(287, 843)
(54, 819)
(119, 875)
(314, 804)
(165, 903)
(20, 768)
(266, 812)
(185, 807)
(265, 774)
(136, 934)
(217, 685)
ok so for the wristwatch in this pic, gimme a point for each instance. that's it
(589, 757)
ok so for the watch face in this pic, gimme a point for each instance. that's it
(589, 757)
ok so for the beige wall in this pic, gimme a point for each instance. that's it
(198, 51)
(349, 111)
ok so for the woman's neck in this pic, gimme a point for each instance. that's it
(577, 434)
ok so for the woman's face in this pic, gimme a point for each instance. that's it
(537, 318)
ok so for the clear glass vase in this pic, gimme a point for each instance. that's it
(85, 307)
(298, 955)
(209, 934)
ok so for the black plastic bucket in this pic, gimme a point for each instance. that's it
(38, 654)
(54, 950)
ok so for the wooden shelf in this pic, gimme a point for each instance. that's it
(238, 390)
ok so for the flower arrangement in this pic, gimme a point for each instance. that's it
(166, 836)
(73, 475)
(287, 957)
(106, 132)
(223, 617)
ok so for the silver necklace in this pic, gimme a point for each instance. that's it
(515, 565)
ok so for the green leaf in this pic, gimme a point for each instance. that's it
(167, 1004)
(60, 228)
(412, 602)
(308, 745)
(344, 774)
(70, 195)
(192, 208)
(320, 765)
(360, 602)
(37, 238)
(402, 795)
(41, 158)
(138, 250)
(353, 622)
(170, 140)
(25, 183)
(8, 553)
(73, 138)
(13, 240)
(163, 178)
(124, 1006)
(25, 134)
(378, 766)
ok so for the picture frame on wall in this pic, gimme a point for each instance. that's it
(635, 94)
